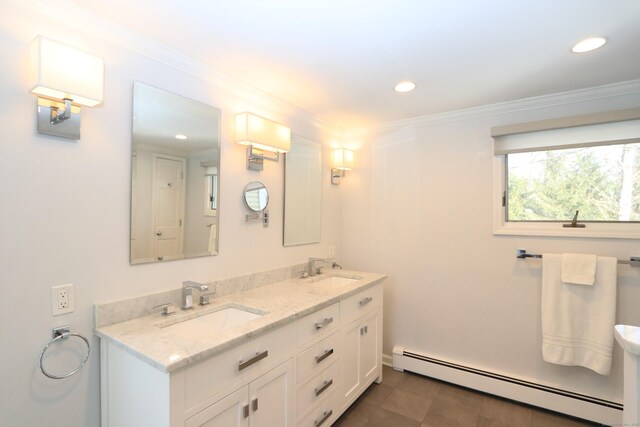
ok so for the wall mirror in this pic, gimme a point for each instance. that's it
(302, 192)
(174, 176)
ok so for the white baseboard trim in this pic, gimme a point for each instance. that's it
(558, 400)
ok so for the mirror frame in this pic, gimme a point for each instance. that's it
(258, 186)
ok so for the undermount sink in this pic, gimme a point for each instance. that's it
(335, 281)
(211, 324)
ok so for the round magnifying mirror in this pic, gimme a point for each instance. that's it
(256, 196)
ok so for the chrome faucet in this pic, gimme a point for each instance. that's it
(187, 293)
(311, 269)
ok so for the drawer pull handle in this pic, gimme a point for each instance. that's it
(365, 301)
(325, 386)
(324, 323)
(245, 411)
(254, 404)
(325, 417)
(324, 355)
(258, 357)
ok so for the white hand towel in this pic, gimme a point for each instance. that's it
(579, 268)
(577, 321)
(212, 238)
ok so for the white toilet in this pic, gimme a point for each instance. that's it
(629, 339)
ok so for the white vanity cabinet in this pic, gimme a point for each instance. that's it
(304, 373)
(251, 384)
(317, 366)
(361, 342)
(265, 402)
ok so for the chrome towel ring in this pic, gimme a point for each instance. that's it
(59, 334)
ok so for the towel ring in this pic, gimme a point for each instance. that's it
(62, 333)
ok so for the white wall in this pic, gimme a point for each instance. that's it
(418, 207)
(65, 206)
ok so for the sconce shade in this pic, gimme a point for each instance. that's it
(343, 159)
(61, 72)
(262, 133)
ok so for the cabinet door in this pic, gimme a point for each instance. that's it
(350, 360)
(232, 411)
(272, 398)
(370, 352)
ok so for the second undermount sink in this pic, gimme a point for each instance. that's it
(335, 281)
(212, 323)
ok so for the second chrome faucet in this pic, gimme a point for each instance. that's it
(187, 293)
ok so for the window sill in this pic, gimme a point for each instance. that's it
(593, 231)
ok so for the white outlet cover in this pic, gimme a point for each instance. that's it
(58, 301)
(332, 251)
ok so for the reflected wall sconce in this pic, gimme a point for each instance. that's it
(342, 162)
(264, 138)
(64, 79)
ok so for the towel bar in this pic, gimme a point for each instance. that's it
(633, 261)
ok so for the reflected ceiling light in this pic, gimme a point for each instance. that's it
(64, 79)
(587, 45)
(343, 161)
(405, 86)
(261, 136)
(181, 136)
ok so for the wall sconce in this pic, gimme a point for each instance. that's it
(342, 162)
(64, 79)
(265, 139)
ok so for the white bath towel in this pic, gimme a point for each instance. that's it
(577, 321)
(579, 268)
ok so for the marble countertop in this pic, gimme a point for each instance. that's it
(282, 302)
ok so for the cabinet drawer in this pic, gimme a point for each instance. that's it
(318, 324)
(318, 357)
(324, 415)
(239, 364)
(318, 388)
(353, 307)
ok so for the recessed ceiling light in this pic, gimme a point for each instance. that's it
(587, 45)
(180, 136)
(404, 86)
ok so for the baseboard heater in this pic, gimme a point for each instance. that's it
(555, 399)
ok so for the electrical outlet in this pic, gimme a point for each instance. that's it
(62, 299)
(332, 251)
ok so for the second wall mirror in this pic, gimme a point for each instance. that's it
(175, 173)
(302, 193)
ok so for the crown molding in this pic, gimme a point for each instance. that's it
(86, 21)
(544, 101)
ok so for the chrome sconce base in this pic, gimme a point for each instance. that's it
(60, 119)
(256, 158)
(337, 175)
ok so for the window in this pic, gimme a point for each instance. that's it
(602, 183)
(544, 172)
(210, 189)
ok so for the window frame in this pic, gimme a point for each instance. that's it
(604, 230)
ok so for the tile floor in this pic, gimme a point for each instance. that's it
(409, 400)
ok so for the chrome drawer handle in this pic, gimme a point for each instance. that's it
(258, 357)
(325, 386)
(325, 417)
(366, 300)
(324, 323)
(324, 355)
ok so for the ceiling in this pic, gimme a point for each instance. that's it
(339, 60)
